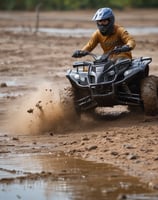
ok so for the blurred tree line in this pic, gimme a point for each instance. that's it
(75, 4)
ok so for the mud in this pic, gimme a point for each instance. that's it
(33, 67)
(55, 176)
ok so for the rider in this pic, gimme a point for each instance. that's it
(109, 36)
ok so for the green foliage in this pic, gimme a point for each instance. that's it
(75, 4)
(144, 3)
(119, 4)
(7, 5)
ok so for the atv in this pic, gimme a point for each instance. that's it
(105, 83)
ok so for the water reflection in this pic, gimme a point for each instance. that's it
(87, 32)
(63, 178)
(78, 32)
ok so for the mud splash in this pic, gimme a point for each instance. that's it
(40, 111)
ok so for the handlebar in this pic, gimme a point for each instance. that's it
(103, 57)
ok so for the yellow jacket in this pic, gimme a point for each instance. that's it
(119, 37)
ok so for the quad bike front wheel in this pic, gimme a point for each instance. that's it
(67, 97)
(149, 95)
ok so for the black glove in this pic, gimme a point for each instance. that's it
(79, 53)
(124, 48)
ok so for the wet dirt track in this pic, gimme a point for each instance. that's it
(32, 69)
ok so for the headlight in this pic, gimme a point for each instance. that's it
(76, 76)
(126, 73)
(82, 79)
(111, 73)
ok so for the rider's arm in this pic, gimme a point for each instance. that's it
(126, 38)
(92, 43)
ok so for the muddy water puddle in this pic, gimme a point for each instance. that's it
(57, 177)
(78, 32)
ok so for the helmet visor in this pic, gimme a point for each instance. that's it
(103, 22)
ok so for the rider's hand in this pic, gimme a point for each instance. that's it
(124, 48)
(79, 53)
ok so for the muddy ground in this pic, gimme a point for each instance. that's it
(33, 68)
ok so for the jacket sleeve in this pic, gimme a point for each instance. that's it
(127, 38)
(92, 43)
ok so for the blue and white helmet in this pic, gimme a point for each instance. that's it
(105, 13)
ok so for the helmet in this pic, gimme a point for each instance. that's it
(105, 13)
